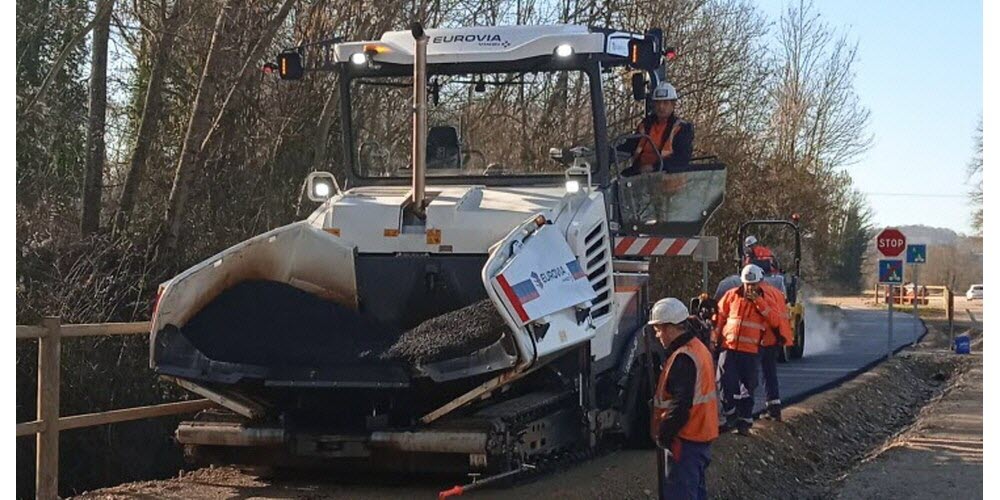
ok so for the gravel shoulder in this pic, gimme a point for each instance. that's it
(941, 453)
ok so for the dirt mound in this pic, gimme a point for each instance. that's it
(452, 334)
(827, 433)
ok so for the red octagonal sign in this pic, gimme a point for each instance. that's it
(891, 242)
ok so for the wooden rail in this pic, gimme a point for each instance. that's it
(48, 424)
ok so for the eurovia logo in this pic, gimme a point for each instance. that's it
(484, 40)
(537, 280)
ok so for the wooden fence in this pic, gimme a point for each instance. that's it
(48, 423)
(904, 296)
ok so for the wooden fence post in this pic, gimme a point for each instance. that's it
(950, 305)
(47, 441)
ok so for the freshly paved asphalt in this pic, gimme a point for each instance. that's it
(838, 347)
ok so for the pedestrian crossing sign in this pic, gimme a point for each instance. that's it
(916, 254)
(890, 271)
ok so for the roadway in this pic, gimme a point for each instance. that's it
(840, 344)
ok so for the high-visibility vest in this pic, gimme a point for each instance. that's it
(777, 301)
(657, 131)
(761, 254)
(703, 420)
(740, 322)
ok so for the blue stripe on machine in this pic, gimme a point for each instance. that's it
(525, 291)
(575, 270)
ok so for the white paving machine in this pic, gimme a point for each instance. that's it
(471, 294)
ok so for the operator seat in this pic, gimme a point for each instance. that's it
(443, 147)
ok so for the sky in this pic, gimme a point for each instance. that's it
(920, 73)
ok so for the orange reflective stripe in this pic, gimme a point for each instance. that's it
(737, 322)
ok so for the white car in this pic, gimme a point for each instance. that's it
(974, 292)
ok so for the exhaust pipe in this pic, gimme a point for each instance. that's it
(419, 118)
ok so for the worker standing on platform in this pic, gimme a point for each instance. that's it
(685, 417)
(667, 140)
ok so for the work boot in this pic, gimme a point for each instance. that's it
(772, 411)
(743, 427)
(728, 425)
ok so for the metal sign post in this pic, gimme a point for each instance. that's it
(706, 251)
(888, 347)
(915, 256)
(890, 272)
(916, 298)
(890, 243)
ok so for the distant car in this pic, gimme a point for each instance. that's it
(974, 292)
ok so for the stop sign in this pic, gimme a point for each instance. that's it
(891, 242)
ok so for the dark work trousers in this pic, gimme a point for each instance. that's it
(769, 369)
(736, 369)
(684, 477)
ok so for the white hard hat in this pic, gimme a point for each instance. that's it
(751, 274)
(668, 310)
(664, 92)
(751, 240)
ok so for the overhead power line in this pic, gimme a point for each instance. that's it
(920, 195)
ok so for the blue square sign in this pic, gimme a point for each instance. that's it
(890, 271)
(916, 254)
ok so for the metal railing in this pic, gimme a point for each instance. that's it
(48, 423)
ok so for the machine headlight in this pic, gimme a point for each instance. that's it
(320, 186)
(321, 189)
(572, 186)
(359, 58)
(564, 50)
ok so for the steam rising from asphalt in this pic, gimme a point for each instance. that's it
(823, 329)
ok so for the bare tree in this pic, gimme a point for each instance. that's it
(975, 172)
(93, 173)
(57, 66)
(197, 129)
(201, 127)
(149, 121)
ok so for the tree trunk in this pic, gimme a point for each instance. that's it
(93, 182)
(202, 125)
(322, 135)
(197, 129)
(103, 12)
(149, 121)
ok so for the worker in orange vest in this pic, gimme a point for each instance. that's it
(671, 136)
(771, 343)
(744, 314)
(758, 254)
(685, 417)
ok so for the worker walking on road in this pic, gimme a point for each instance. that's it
(685, 417)
(744, 314)
(671, 136)
(771, 343)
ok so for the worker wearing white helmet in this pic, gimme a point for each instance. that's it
(745, 312)
(668, 141)
(685, 417)
(755, 253)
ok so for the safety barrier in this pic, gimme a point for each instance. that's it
(924, 295)
(48, 423)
